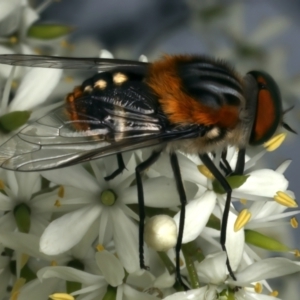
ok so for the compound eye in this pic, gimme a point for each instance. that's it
(268, 108)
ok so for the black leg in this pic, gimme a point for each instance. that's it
(182, 196)
(138, 170)
(240, 163)
(121, 168)
(222, 180)
(225, 166)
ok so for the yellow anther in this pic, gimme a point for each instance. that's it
(68, 79)
(14, 84)
(13, 40)
(274, 293)
(53, 263)
(285, 200)
(258, 288)
(204, 171)
(100, 248)
(61, 296)
(294, 222)
(243, 201)
(2, 185)
(275, 142)
(38, 51)
(24, 259)
(242, 219)
(16, 288)
(297, 253)
(61, 192)
(57, 203)
(65, 44)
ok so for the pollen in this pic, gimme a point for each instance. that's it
(119, 78)
(65, 44)
(61, 296)
(61, 192)
(57, 203)
(2, 185)
(274, 293)
(53, 263)
(16, 288)
(100, 248)
(242, 219)
(13, 40)
(297, 253)
(243, 201)
(258, 288)
(275, 142)
(100, 84)
(285, 200)
(69, 79)
(294, 223)
(204, 171)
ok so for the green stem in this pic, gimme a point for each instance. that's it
(190, 266)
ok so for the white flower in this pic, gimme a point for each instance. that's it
(212, 270)
(19, 189)
(96, 286)
(91, 216)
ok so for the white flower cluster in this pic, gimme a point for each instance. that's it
(69, 233)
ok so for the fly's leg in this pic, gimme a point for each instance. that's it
(183, 201)
(222, 180)
(140, 191)
(121, 168)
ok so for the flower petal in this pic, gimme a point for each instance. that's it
(75, 176)
(65, 232)
(266, 269)
(213, 268)
(69, 274)
(126, 240)
(263, 182)
(35, 87)
(110, 267)
(198, 212)
(195, 294)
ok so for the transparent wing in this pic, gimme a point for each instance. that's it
(53, 142)
(40, 61)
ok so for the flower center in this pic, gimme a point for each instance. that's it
(108, 197)
(22, 217)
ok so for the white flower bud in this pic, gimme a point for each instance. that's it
(161, 233)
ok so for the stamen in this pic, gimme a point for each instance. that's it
(275, 142)
(61, 296)
(57, 203)
(16, 288)
(294, 222)
(258, 288)
(274, 293)
(204, 171)
(13, 40)
(243, 201)
(53, 263)
(242, 219)
(100, 248)
(297, 253)
(285, 200)
(61, 192)
(2, 185)
(68, 79)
